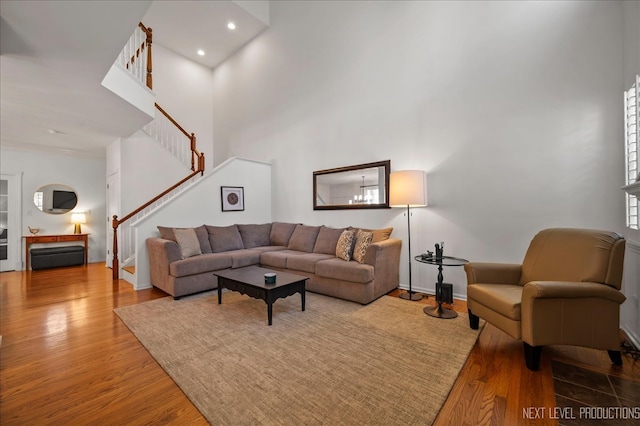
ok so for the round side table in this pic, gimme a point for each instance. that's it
(438, 311)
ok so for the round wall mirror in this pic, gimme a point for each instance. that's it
(55, 198)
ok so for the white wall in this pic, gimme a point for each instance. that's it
(147, 170)
(184, 89)
(513, 109)
(201, 205)
(85, 175)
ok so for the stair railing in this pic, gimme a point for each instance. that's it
(136, 55)
(170, 135)
(197, 167)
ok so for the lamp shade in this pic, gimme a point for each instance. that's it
(408, 188)
(78, 218)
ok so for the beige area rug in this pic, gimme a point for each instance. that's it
(337, 363)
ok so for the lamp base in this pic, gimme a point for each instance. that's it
(440, 312)
(410, 295)
(77, 229)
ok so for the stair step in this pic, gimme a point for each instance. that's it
(130, 269)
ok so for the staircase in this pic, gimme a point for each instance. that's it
(136, 59)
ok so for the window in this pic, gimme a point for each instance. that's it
(631, 124)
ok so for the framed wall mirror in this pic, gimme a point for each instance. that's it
(363, 186)
(55, 199)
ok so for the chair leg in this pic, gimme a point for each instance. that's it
(474, 321)
(532, 356)
(616, 357)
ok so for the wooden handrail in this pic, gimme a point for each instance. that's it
(115, 222)
(175, 123)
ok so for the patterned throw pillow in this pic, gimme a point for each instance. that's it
(363, 241)
(345, 245)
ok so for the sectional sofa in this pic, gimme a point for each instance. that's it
(353, 264)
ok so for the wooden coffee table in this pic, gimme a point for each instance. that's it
(250, 281)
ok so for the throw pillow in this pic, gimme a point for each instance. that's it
(327, 240)
(201, 232)
(380, 234)
(281, 232)
(363, 241)
(224, 238)
(188, 242)
(255, 235)
(303, 238)
(344, 247)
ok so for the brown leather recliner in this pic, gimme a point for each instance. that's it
(566, 292)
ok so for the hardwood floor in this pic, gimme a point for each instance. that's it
(66, 358)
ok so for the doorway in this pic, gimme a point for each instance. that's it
(10, 235)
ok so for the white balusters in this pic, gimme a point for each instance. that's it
(134, 55)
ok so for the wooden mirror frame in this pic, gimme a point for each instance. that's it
(352, 175)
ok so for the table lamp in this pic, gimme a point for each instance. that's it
(408, 188)
(78, 219)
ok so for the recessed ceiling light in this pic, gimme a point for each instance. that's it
(55, 132)
(200, 52)
(231, 26)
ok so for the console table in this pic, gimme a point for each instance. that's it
(63, 238)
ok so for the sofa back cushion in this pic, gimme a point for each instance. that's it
(224, 238)
(303, 238)
(327, 240)
(281, 233)
(168, 233)
(255, 235)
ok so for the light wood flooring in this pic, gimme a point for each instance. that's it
(66, 358)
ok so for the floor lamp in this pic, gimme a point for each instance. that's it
(408, 188)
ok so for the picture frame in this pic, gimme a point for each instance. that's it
(232, 198)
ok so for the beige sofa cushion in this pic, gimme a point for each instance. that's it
(327, 240)
(245, 257)
(346, 271)
(278, 259)
(255, 235)
(281, 233)
(224, 238)
(306, 262)
(199, 264)
(304, 238)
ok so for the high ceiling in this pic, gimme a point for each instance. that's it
(54, 55)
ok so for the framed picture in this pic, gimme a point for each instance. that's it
(232, 198)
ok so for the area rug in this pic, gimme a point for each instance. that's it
(337, 363)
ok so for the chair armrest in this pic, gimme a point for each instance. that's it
(493, 273)
(569, 290)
